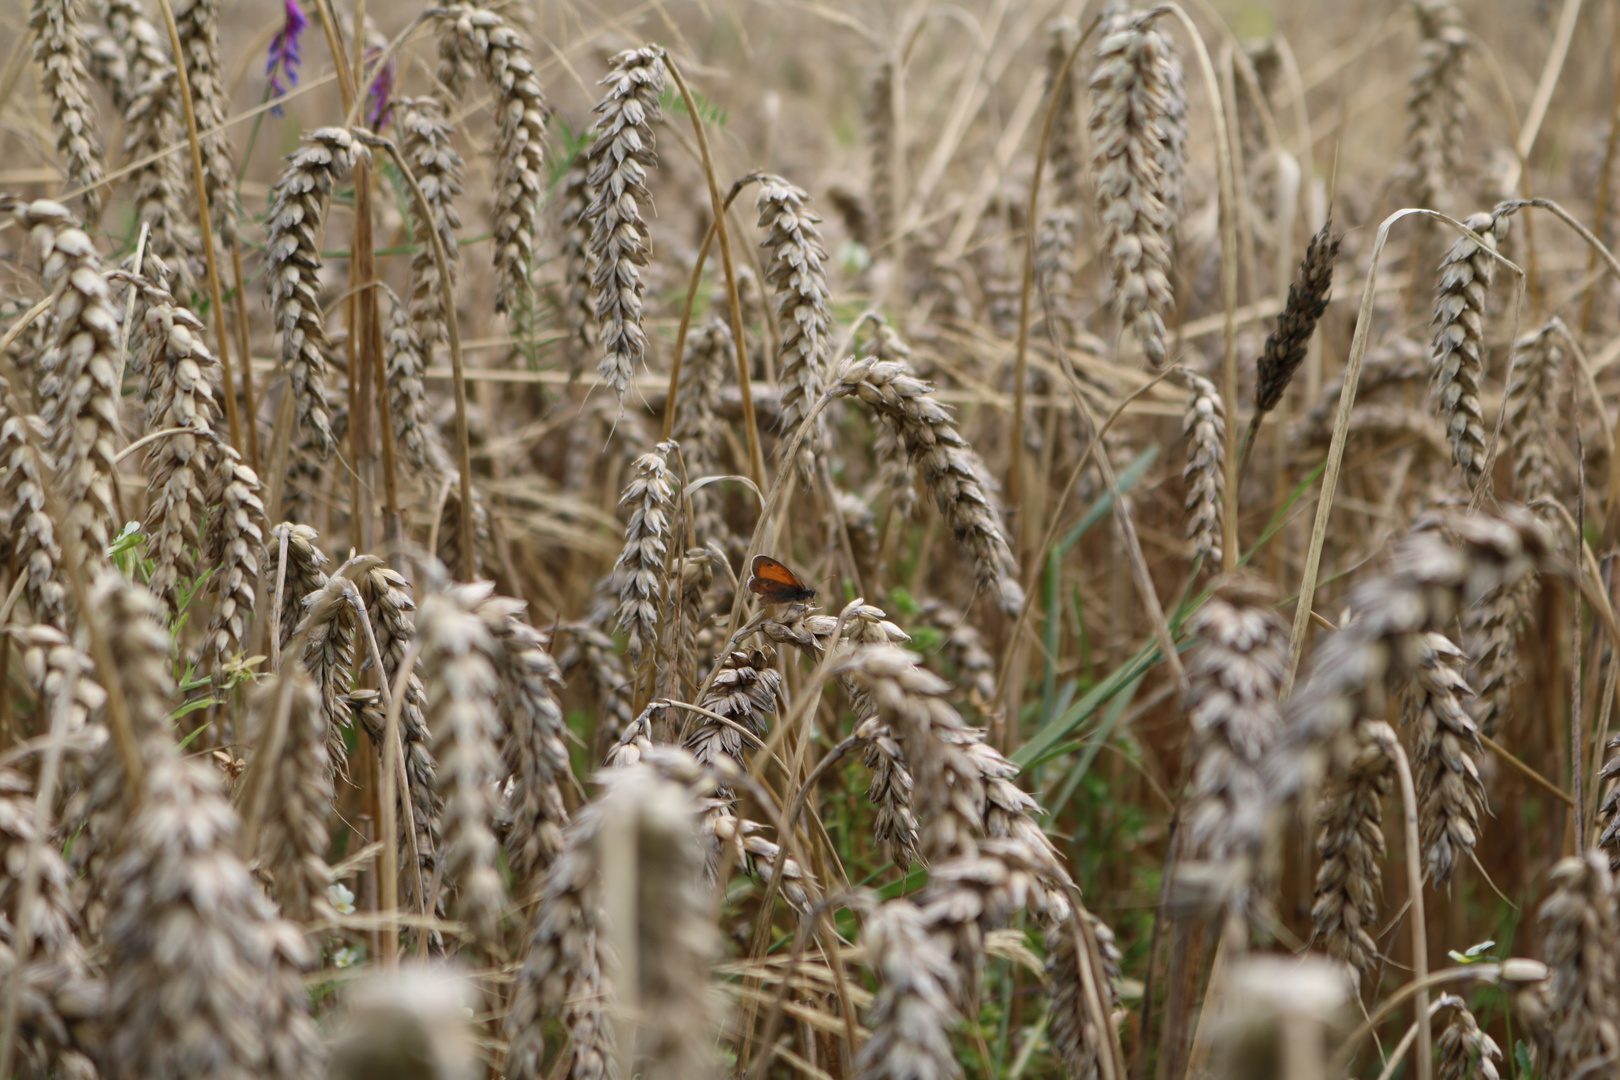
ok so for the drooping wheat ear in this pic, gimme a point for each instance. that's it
(890, 789)
(389, 606)
(578, 264)
(1357, 666)
(424, 140)
(1447, 749)
(1580, 942)
(180, 373)
(621, 156)
(203, 979)
(710, 354)
(1535, 395)
(988, 855)
(1350, 842)
(1203, 425)
(198, 23)
(27, 533)
(880, 138)
(502, 55)
(1234, 678)
(911, 1018)
(1436, 118)
(534, 742)
(1138, 131)
(292, 269)
(1078, 1037)
(330, 624)
(1459, 331)
(648, 841)
(63, 79)
(795, 267)
(58, 990)
(81, 366)
(1466, 1052)
(462, 714)
(305, 572)
(562, 973)
(746, 691)
(405, 358)
(641, 576)
(293, 842)
(951, 468)
(235, 548)
(762, 859)
(1307, 299)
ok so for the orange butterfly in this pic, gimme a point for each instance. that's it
(774, 583)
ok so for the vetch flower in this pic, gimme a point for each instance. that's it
(286, 53)
(379, 96)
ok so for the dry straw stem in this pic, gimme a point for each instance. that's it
(292, 268)
(1203, 425)
(462, 713)
(621, 156)
(1350, 843)
(803, 309)
(1446, 750)
(1580, 943)
(503, 57)
(952, 470)
(641, 573)
(1341, 430)
(59, 51)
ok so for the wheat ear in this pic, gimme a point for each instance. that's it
(1350, 843)
(1446, 755)
(1579, 942)
(64, 80)
(1459, 328)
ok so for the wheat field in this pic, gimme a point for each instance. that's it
(832, 539)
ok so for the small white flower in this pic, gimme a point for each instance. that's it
(341, 897)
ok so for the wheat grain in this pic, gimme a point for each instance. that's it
(952, 470)
(1203, 425)
(424, 140)
(83, 364)
(621, 156)
(1307, 299)
(462, 714)
(502, 55)
(1436, 118)
(63, 79)
(198, 24)
(641, 576)
(1457, 365)
(1451, 794)
(293, 230)
(1579, 942)
(1350, 843)
(1138, 115)
(235, 547)
(1466, 1052)
(794, 266)
(293, 842)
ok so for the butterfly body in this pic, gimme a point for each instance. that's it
(774, 583)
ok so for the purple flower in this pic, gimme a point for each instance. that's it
(286, 53)
(379, 97)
